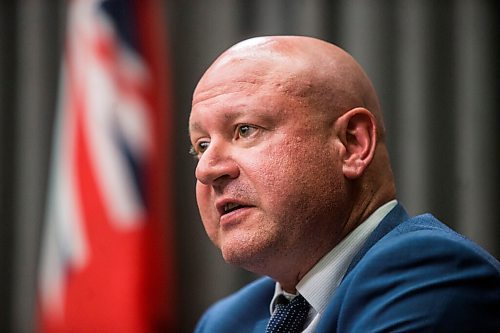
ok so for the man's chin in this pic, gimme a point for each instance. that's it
(250, 258)
(236, 257)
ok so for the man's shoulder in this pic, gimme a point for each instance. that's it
(401, 235)
(425, 235)
(235, 310)
(420, 241)
(420, 275)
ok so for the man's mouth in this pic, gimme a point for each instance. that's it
(229, 207)
(232, 206)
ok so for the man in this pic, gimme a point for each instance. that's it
(294, 182)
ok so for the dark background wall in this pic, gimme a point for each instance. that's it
(434, 63)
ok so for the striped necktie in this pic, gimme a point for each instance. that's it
(288, 316)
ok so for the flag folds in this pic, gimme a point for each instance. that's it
(106, 259)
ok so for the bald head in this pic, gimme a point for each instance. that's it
(319, 72)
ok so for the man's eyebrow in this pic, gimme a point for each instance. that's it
(195, 126)
(234, 114)
(228, 116)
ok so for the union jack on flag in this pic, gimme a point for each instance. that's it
(106, 264)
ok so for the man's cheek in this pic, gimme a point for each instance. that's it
(210, 221)
(208, 213)
(203, 196)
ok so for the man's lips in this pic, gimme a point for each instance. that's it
(227, 206)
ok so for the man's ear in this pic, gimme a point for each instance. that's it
(357, 131)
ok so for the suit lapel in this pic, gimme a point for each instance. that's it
(394, 218)
(260, 326)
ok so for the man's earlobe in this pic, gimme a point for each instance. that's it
(358, 133)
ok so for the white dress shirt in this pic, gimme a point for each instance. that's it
(320, 283)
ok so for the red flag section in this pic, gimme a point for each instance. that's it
(106, 262)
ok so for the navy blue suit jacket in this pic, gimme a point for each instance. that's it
(412, 275)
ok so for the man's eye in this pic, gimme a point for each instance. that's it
(245, 131)
(202, 146)
(199, 148)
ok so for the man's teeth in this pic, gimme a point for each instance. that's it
(230, 206)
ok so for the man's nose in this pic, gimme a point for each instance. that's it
(216, 165)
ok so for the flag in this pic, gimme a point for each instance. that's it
(106, 261)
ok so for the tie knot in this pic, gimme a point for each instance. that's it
(289, 316)
(297, 303)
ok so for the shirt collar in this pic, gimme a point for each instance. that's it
(330, 270)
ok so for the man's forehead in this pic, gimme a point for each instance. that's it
(240, 75)
(242, 65)
(246, 67)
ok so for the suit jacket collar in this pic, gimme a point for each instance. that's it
(397, 215)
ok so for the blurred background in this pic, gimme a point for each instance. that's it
(435, 65)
